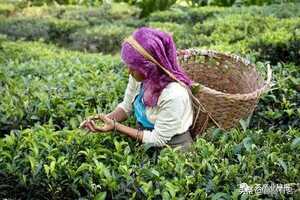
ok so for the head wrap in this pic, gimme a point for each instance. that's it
(162, 47)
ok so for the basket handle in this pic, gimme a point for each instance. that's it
(149, 57)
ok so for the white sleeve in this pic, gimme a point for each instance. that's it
(171, 110)
(130, 93)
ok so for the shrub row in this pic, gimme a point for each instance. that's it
(6, 9)
(272, 39)
(281, 43)
(92, 15)
(41, 83)
(68, 33)
(180, 15)
(71, 164)
(183, 15)
(32, 28)
(104, 38)
(88, 29)
(77, 27)
(280, 108)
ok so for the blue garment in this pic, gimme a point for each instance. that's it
(140, 110)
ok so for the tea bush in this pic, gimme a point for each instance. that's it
(32, 28)
(72, 164)
(280, 108)
(41, 83)
(6, 9)
(285, 10)
(185, 15)
(104, 38)
(190, 15)
(182, 38)
(105, 13)
(281, 44)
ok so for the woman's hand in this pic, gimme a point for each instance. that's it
(89, 123)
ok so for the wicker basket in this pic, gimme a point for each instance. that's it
(230, 87)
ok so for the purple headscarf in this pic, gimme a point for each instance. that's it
(162, 47)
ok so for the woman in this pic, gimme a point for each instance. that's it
(162, 107)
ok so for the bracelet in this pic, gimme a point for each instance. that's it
(137, 135)
(115, 127)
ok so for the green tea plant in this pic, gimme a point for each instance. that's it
(279, 109)
(281, 44)
(72, 164)
(41, 83)
(149, 6)
(6, 9)
(104, 38)
(32, 28)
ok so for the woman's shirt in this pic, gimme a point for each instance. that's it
(172, 115)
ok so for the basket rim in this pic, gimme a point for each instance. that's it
(236, 96)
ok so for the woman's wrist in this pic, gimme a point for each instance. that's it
(115, 124)
(131, 132)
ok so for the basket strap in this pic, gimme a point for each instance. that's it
(198, 105)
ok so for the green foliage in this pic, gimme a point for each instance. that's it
(41, 83)
(29, 28)
(281, 44)
(105, 13)
(69, 26)
(72, 164)
(32, 28)
(149, 6)
(280, 108)
(104, 38)
(176, 16)
(185, 15)
(233, 28)
(182, 38)
(6, 9)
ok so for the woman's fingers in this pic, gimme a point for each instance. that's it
(105, 128)
(90, 127)
(82, 125)
(95, 127)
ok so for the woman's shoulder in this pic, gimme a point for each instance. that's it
(174, 91)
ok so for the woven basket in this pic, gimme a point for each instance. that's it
(230, 87)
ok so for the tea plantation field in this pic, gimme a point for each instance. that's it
(60, 64)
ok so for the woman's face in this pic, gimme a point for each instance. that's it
(135, 74)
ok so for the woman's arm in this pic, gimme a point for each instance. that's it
(118, 114)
